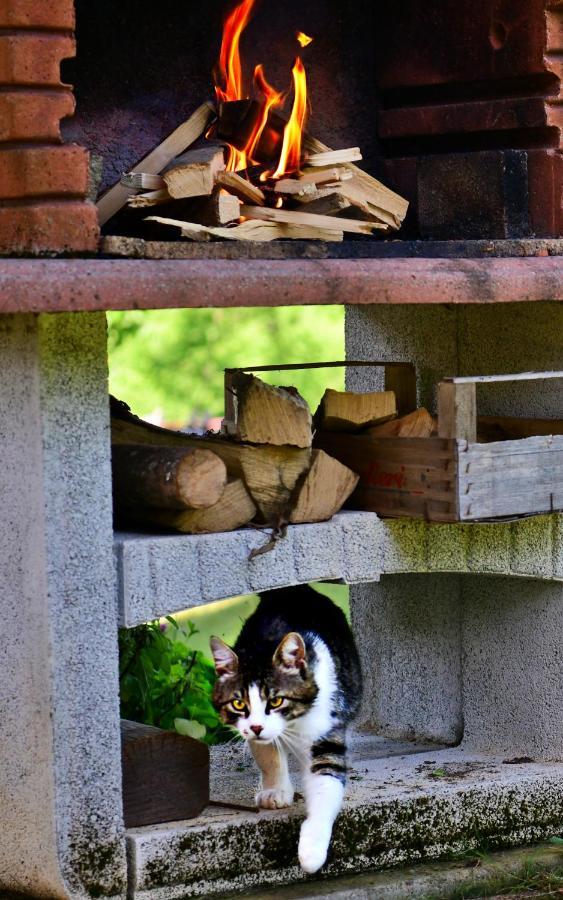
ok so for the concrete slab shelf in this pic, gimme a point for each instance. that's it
(404, 803)
(71, 285)
(161, 574)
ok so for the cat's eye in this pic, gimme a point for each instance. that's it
(238, 705)
(275, 702)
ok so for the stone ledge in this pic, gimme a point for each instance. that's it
(161, 574)
(397, 812)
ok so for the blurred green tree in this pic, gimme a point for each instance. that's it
(173, 360)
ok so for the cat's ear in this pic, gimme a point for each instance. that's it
(226, 660)
(291, 653)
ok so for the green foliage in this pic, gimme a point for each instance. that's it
(164, 682)
(173, 360)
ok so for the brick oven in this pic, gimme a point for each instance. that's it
(457, 106)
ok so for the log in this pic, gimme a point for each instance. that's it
(233, 510)
(348, 411)
(184, 136)
(194, 174)
(165, 775)
(296, 217)
(325, 489)
(334, 157)
(167, 477)
(241, 188)
(416, 424)
(319, 176)
(264, 414)
(251, 230)
(269, 473)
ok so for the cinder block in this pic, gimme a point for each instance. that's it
(532, 547)
(405, 547)
(489, 548)
(222, 565)
(274, 568)
(448, 547)
(362, 534)
(318, 551)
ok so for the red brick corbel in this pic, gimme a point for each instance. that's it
(43, 184)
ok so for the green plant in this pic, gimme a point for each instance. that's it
(164, 682)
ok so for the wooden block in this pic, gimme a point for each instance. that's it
(269, 473)
(216, 210)
(264, 414)
(194, 174)
(457, 411)
(233, 510)
(184, 136)
(165, 775)
(416, 424)
(166, 477)
(325, 489)
(348, 411)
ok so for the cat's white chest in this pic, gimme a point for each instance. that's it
(318, 721)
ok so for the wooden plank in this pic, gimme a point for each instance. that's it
(182, 137)
(493, 379)
(457, 411)
(334, 157)
(296, 217)
(520, 504)
(148, 754)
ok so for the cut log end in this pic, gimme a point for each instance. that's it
(324, 490)
(265, 414)
(348, 411)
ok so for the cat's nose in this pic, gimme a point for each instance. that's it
(257, 729)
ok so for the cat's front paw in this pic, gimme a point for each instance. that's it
(313, 847)
(275, 798)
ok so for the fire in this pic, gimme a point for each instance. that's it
(230, 87)
(304, 39)
(272, 98)
(290, 157)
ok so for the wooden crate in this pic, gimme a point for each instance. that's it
(452, 477)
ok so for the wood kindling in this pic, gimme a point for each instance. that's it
(296, 217)
(331, 157)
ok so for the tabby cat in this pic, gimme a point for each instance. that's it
(292, 683)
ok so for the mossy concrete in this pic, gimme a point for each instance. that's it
(399, 810)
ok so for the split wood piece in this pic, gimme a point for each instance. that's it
(241, 188)
(250, 230)
(296, 217)
(511, 428)
(116, 197)
(264, 414)
(416, 424)
(388, 205)
(325, 203)
(269, 473)
(348, 411)
(150, 799)
(194, 174)
(152, 198)
(334, 157)
(215, 211)
(166, 477)
(234, 510)
(307, 180)
(325, 489)
(141, 181)
(457, 411)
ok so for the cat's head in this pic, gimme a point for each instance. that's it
(261, 703)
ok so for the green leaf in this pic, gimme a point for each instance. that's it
(190, 728)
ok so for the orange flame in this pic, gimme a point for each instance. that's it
(230, 69)
(304, 39)
(272, 98)
(290, 158)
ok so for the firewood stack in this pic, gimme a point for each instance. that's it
(183, 188)
(261, 469)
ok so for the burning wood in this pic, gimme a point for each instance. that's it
(267, 162)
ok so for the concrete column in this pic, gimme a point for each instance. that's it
(513, 667)
(408, 631)
(60, 774)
